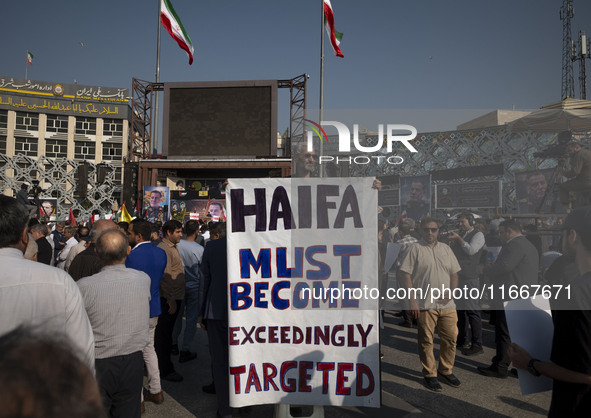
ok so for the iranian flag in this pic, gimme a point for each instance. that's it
(173, 25)
(334, 35)
(29, 58)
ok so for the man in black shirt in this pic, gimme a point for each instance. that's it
(570, 365)
(45, 252)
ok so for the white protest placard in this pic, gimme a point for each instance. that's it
(392, 251)
(530, 325)
(303, 292)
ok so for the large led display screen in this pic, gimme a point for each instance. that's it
(220, 119)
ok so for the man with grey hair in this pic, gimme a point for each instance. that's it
(71, 241)
(87, 262)
(117, 302)
(32, 249)
(304, 161)
(44, 250)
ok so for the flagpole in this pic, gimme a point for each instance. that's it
(321, 112)
(27, 66)
(155, 135)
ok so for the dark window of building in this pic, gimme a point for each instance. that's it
(112, 151)
(57, 123)
(84, 150)
(55, 148)
(2, 144)
(27, 121)
(118, 177)
(26, 146)
(3, 118)
(113, 127)
(86, 126)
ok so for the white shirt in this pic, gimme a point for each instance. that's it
(34, 294)
(475, 244)
(49, 239)
(63, 256)
(77, 249)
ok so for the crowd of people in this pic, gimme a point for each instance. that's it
(499, 254)
(112, 295)
(118, 292)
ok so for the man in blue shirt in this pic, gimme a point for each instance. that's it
(151, 260)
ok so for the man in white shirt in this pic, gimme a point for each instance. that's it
(83, 236)
(69, 232)
(35, 294)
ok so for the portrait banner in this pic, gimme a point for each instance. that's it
(303, 292)
(415, 196)
(185, 203)
(535, 194)
(156, 200)
(48, 209)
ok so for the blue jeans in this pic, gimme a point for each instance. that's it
(191, 308)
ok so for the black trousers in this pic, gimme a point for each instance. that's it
(469, 316)
(217, 333)
(120, 381)
(502, 340)
(163, 337)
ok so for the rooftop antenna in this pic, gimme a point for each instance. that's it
(567, 12)
(581, 54)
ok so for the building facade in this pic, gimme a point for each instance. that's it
(63, 121)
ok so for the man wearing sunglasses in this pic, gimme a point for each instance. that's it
(428, 265)
(305, 162)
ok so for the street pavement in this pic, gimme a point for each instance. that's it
(403, 393)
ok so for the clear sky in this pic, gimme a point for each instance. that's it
(399, 54)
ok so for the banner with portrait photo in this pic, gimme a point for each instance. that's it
(534, 194)
(301, 331)
(48, 209)
(176, 183)
(415, 196)
(205, 208)
(156, 200)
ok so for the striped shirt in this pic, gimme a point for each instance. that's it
(117, 302)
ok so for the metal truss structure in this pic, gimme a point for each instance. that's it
(297, 107)
(142, 113)
(567, 12)
(61, 174)
(141, 118)
(457, 149)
